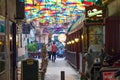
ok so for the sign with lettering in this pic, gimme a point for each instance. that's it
(95, 13)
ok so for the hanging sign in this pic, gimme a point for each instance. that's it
(26, 28)
(95, 13)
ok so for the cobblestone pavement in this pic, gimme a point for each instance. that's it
(54, 70)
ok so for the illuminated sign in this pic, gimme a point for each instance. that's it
(94, 12)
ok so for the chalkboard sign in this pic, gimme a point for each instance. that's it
(29, 69)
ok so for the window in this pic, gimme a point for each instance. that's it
(2, 45)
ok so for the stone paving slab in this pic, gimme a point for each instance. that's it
(54, 70)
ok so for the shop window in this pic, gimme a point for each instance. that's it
(2, 46)
(95, 35)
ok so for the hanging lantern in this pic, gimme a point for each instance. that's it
(62, 37)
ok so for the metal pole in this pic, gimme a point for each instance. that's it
(62, 75)
(14, 54)
(7, 41)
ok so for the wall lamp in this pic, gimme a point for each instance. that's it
(76, 39)
(73, 41)
(82, 37)
(67, 43)
(70, 42)
(1, 43)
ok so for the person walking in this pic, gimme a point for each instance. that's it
(49, 51)
(54, 50)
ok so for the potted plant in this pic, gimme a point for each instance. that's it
(32, 48)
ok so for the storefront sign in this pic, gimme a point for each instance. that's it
(95, 14)
(94, 11)
(108, 75)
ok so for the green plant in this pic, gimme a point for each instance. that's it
(32, 47)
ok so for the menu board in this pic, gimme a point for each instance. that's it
(30, 69)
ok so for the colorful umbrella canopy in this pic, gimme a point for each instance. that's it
(55, 13)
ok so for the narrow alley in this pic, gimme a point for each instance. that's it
(54, 70)
(84, 35)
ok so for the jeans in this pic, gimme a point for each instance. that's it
(53, 56)
(49, 55)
